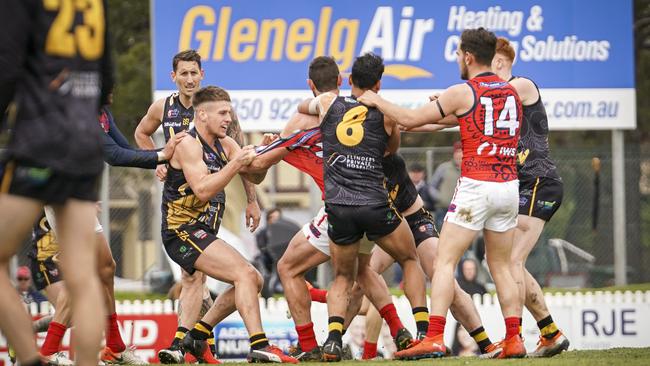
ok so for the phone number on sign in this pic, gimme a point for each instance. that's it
(265, 108)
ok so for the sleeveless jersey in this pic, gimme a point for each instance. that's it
(305, 153)
(175, 116)
(401, 189)
(43, 243)
(58, 95)
(533, 158)
(354, 142)
(489, 131)
(180, 205)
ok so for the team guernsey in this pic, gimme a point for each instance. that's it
(61, 81)
(354, 142)
(487, 193)
(189, 225)
(489, 131)
(540, 185)
(356, 201)
(176, 117)
(404, 195)
(43, 255)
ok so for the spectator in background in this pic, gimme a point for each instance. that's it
(418, 177)
(443, 184)
(464, 345)
(272, 241)
(25, 288)
(468, 277)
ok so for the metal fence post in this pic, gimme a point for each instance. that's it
(618, 207)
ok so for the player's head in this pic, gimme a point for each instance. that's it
(367, 70)
(212, 110)
(503, 58)
(187, 72)
(323, 75)
(476, 50)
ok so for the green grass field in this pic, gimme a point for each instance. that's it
(616, 356)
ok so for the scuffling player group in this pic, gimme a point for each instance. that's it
(347, 143)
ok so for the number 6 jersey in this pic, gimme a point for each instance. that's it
(489, 131)
(354, 142)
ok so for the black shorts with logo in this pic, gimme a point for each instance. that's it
(46, 185)
(348, 224)
(185, 244)
(422, 225)
(44, 273)
(540, 197)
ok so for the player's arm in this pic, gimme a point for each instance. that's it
(394, 135)
(232, 149)
(317, 106)
(149, 124)
(15, 27)
(432, 127)
(189, 158)
(433, 112)
(528, 93)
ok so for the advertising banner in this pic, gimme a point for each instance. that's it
(580, 52)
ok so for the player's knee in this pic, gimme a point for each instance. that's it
(190, 280)
(252, 275)
(284, 268)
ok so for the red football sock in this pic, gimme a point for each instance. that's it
(55, 333)
(369, 351)
(389, 314)
(436, 325)
(318, 295)
(113, 337)
(306, 337)
(512, 326)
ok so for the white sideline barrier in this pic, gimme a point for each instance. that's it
(597, 320)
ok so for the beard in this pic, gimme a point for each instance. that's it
(463, 71)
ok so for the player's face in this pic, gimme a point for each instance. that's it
(187, 77)
(217, 117)
(460, 58)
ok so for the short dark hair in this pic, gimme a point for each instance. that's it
(272, 211)
(416, 167)
(367, 70)
(324, 73)
(210, 94)
(187, 55)
(479, 42)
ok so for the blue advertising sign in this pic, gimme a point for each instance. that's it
(232, 338)
(579, 51)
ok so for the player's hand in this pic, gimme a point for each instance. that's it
(268, 138)
(161, 172)
(369, 98)
(253, 215)
(168, 150)
(246, 155)
(433, 97)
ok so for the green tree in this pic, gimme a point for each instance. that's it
(131, 45)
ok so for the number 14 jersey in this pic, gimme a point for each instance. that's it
(489, 131)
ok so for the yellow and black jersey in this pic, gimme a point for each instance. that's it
(176, 118)
(43, 242)
(180, 205)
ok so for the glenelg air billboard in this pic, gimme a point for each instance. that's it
(580, 52)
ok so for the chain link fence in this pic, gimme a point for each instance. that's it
(583, 257)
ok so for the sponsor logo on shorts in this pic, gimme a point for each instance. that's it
(523, 201)
(182, 249)
(546, 205)
(424, 228)
(200, 234)
(452, 208)
(54, 272)
(172, 113)
(183, 235)
(314, 230)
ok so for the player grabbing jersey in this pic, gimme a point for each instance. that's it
(489, 114)
(198, 172)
